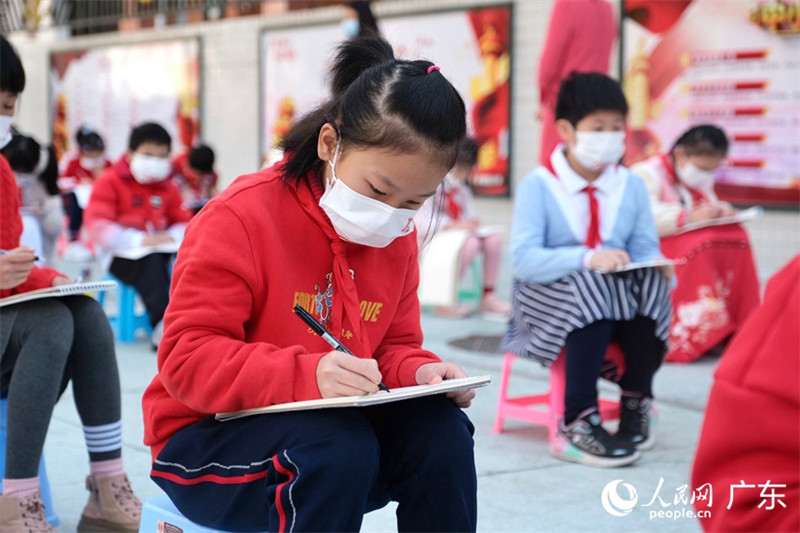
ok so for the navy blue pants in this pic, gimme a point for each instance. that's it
(323, 470)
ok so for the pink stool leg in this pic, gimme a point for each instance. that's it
(557, 388)
(505, 377)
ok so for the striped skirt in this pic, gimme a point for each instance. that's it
(544, 314)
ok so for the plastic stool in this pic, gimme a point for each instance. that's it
(126, 322)
(160, 509)
(44, 483)
(472, 290)
(548, 408)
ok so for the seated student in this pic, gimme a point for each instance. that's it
(36, 172)
(193, 173)
(79, 172)
(44, 345)
(453, 207)
(134, 204)
(329, 228)
(717, 278)
(579, 216)
(751, 430)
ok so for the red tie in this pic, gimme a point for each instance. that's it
(593, 237)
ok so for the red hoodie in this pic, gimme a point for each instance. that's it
(751, 431)
(118, 201)
(231, 340)
(11, 229)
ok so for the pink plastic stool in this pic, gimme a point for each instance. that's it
(547, 409)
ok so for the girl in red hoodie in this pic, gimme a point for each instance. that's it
(329, 228)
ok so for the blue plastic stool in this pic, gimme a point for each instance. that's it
(161, 509)
(44, 483)
(126, 322)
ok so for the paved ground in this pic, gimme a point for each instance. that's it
(521, 488)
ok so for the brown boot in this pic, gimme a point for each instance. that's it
(23, 515)
(112, 505)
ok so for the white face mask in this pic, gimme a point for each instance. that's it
(92, 163)
(148, 169)
(361, 219)
(5, 129)
(694, 177)
(595, 150)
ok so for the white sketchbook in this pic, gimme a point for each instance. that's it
(60, 290)
(138, 253)
(742, 216)
(643, 264)
(395, 395)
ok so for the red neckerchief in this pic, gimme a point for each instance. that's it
(593, 236)
(345, 294)
(452, 207)
(698, 196)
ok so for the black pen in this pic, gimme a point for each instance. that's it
(320, 330)
(4, 252)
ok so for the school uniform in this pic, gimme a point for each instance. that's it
(74, 174)
(231, 342)
(718, 284)
(555, 295)
(120, 213)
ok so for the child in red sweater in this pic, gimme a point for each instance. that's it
(329, 228)
(133, 205)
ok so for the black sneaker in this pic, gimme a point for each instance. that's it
(587, 442)
(637, 419)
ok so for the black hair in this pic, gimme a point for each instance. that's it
(24, 154)
(149, 132)
(705, 139)
(88, 139)
(379, 101)
(584, 93)
(12, 73)
(201, 158)
(467, 152)
(367, 23)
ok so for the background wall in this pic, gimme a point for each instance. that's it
(230, 77)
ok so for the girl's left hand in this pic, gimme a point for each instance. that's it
(61, 280)
(432, 373)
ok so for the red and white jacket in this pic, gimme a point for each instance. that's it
(231, 340)
(121, 210)
(11, 229)
(670, 200)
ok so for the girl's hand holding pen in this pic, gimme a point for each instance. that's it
(340, 374)
(432, 373)
(15, 266)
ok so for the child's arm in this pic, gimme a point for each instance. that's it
(550, 62)
(531, 259)
(400, 353)
(643, 245)
(668, 216)
(177, 214)
(100, 219)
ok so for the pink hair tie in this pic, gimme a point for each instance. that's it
(432, 68)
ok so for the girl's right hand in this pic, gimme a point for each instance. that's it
(341, 374)
(15, 266)
(703, 213)
(609, 260)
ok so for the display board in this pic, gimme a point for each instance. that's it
(472, 48)
(734, 64)
(112, 89)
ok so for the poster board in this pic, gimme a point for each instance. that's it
(114, 88)
(471, 46)
(732, 64)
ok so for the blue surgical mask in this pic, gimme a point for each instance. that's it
(351, 27)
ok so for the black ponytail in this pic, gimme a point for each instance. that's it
(379, 101)
(705, 139)
(24, 156)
